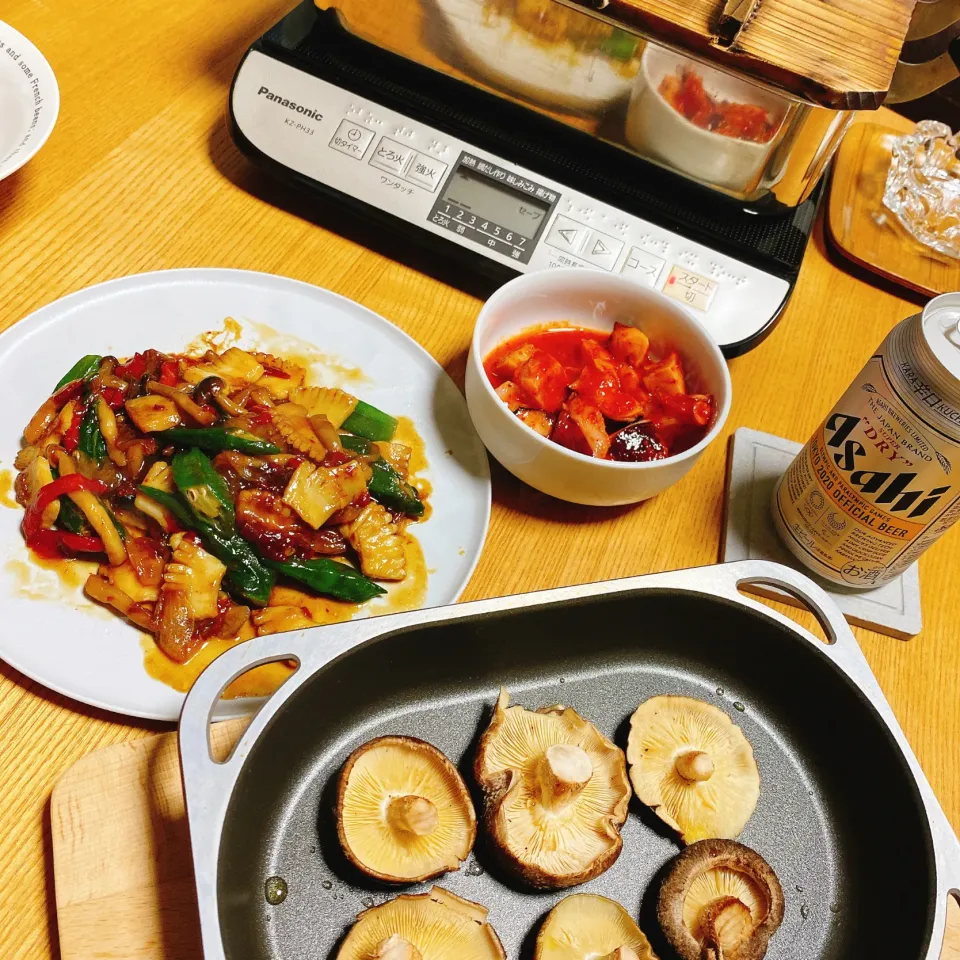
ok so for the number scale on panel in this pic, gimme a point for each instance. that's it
(443, 185)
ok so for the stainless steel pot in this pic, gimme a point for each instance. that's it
(846, 816)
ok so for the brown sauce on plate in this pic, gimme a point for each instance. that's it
(6, 490)
(57, 580)
(258, 682)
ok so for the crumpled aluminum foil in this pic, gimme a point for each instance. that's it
(923, 186)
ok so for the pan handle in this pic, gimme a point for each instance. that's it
(845, 650)
(744, 572)
(197, 712)
(208, 784)
(209, 779)
(947, 843)
(947, 850)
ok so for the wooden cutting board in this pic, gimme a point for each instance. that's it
(121, 852)
(121, 855)
(864, 231)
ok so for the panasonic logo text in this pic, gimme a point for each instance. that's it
(289, 104)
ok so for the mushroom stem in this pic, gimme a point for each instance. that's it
(564, 771)
(695, 765)
(725, 923)
(621, 953)
(415, 815)
(396, 948)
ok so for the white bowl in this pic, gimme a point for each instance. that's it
(29, 100)
(592, 299)
(656, 130)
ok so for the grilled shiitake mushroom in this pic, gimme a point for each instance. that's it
(588, 925)
(403, 811)
(428, 926)
(693, 766)
(720, 900)
(555, 794)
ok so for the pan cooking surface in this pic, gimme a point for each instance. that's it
(839, 818)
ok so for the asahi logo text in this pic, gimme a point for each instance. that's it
(889, 489)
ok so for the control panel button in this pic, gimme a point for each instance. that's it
(391, 156)
(352, 139)
(426, 171)
(690, 288)
(643, 266)
(600, 250)
(566, 235)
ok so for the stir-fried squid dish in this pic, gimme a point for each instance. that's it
(201, 484)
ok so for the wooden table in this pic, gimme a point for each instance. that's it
(141, 174)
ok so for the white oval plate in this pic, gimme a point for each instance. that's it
(62, 640)
(29, 100)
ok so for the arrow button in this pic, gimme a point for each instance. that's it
(601, 250)
(567, 235)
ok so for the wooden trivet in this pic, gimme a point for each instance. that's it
(862, 229)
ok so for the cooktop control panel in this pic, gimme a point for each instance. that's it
(446, 186)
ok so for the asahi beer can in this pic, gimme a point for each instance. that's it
(879, 481)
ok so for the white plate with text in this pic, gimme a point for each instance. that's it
(29, 100)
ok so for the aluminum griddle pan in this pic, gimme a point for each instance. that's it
(845, 817)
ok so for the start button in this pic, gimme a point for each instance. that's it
(690, 288)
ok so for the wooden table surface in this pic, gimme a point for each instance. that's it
(140, 174)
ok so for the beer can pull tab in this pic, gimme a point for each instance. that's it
(941, 329)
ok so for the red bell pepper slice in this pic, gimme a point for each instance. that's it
(53, 544)
(114, 397)
(169, 373)
(133, 369)
(59, 544)
(275, 372)
(65, 394)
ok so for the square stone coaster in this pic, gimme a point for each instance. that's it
(756, 461)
